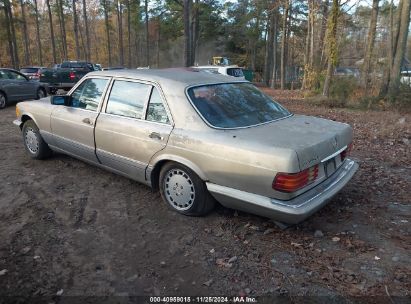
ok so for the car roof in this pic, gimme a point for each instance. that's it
(174, 82)
(8, 69)
(182, 77)
(32, 67)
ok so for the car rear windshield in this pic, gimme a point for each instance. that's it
(235, 105)
(29, 70)
(236, 72)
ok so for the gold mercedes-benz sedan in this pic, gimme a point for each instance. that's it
(196, 137)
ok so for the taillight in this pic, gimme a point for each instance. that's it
(37, 75)
(72, 76)
(291, 182)
(346, 152)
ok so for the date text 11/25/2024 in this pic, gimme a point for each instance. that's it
(174, 299)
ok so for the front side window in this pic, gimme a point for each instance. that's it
(128, 98)
(88, 94)
(17, 76)
(156, 110)
(235, 105)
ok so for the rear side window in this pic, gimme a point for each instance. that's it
(156, 110)
(236, 72)
(128, 98)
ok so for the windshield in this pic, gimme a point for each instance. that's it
(235, 105)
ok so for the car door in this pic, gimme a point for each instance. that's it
(25, 89)
(127, 134)
(10, 85)
(73, 125)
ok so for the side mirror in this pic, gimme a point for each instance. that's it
(60, 100)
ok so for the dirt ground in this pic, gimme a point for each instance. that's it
(69, 228)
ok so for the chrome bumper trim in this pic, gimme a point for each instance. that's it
(17, 122)
(292, 211)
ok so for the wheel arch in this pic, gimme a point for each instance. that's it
(153, 171)
(25, 117)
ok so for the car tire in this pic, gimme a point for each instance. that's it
(41, 93)
(3, 100)
(184, 191)
(34, 144)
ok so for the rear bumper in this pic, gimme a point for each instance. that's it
(292, 211)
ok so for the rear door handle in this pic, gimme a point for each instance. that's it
(155, 135)
(88, 121)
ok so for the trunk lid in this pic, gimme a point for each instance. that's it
(313, 139)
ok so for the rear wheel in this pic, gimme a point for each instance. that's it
(184, 191)
(33, 142)
(3, 100)
(41, 93)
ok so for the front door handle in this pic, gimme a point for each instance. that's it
(88, 121)
(155, 135)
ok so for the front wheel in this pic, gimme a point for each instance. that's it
(33, 142)
(3, 100)
(184, 191)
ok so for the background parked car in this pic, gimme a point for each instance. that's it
(32, 72)
(346, 72)
(14, 86)
(229, 70)
(114, 68)
(65, 76)
(406, 77)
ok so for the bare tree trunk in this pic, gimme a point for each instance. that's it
(256, 36)
(195, 26)
(107, 25)
(331, 46)
(187, 34)
(283, 45)
(25, 34)
(13, 35)
(269, 45)
(158, 41)
(75, 29)
(321, 52)
(128, 33)
(403, 21)
(53, 44)
(120, 33)
(147, 34)
(87, 31)
(307, 52)
(275, 47)
(366, 68)
(83, 46)
(39, 48)
(136, 18)
(9, 38)
(62, 28)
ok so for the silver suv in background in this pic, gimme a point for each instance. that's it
(32, 72)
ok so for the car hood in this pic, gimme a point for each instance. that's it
(313, 139)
